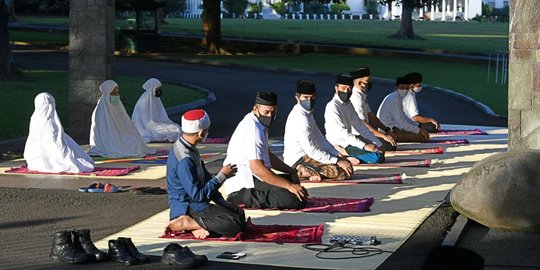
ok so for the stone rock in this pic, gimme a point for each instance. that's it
(502, 192)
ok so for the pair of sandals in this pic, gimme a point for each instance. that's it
(98, 187)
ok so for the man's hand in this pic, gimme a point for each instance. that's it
(390, 139)
(424, 133)
(229, 170)
(353, 160)
(437, 126)
(346, 166)
(341, 150)
(298, 190)
(392, 134)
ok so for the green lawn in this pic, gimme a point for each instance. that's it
(469, 37)
(17, 103)
(468, 79)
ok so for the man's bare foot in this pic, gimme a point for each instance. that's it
(315, 178)
(200, 233)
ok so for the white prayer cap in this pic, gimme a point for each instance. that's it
(151, 84)
(43, 99)
(194, 121)
(107, 87)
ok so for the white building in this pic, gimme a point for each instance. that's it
(446, 10)
(497, 3)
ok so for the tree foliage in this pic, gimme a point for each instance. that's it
(235, 6)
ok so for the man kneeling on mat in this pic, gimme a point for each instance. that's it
(191, 187)
(305, 147)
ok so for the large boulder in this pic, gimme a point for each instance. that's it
(502, 192)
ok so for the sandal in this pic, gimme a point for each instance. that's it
(92, 187)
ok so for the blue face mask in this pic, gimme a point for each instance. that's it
(307, 104)
(115, 100)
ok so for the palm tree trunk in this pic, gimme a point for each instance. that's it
(8, 69)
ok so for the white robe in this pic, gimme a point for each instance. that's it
(112, 133)
(150, 117)
(48, 148)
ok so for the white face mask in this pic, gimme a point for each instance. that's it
(204, 137)
(402, 93)
(417, 89)
(115, 100)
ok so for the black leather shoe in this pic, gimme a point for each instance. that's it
(83, 237)
(174, 254)
(118, 253)
(63, 249)
(133, 251)
(201, 259)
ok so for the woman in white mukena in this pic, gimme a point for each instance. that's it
(150, 117)
(112, 133)
(48, 148)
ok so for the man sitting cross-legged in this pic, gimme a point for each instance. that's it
(391, 114)
(306, 148)
(191, 188)
(256, 185)
(410, 106)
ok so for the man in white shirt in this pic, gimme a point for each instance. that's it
(344, 128)
(410, 107)
(306, 148)
(391, 114)
(255, 184)
(362, 85)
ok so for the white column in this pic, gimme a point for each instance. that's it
(466, 10)
(421, 12)
(454, 14)
(443, 18)
(432, 11)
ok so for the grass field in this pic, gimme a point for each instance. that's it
(459, 37)
(468, 79)
(17, 103)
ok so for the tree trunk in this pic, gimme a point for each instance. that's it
(211, 19)
(406, 28)
(160, 14)
(8, 69)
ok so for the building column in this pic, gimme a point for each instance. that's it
(432, 11)
(466, 10)
(91, 59)
(524, 76)
(454, 13)
(443, 18)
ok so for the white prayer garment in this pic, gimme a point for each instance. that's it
(112, 133)
(48, 148)
(150, 117)
(360, 104)
(342, 123)
(248, 142)
(391, 114)
(410, 107)
(303, 136)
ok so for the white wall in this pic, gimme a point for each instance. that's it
(357, 6)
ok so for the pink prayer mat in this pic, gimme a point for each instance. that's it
(265, 233)
(435, 150)
(399, 163)
(460, 132)
(320, 205)
(98, 171)
(224, 140)
(443, 141)
(365, 179)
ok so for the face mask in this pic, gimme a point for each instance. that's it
(368, 86)
(158, 93)
(418, 89)
(265, 120)
(402, 93)
(344, 96)
(115, 100)
(307, 104)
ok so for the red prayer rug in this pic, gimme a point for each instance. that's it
(365, 179)
(442, 141)
(224, 140)
(460, 132)
(322, 205)
(297, 234)
(435, 150)
(399, 163)
(98, 171)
